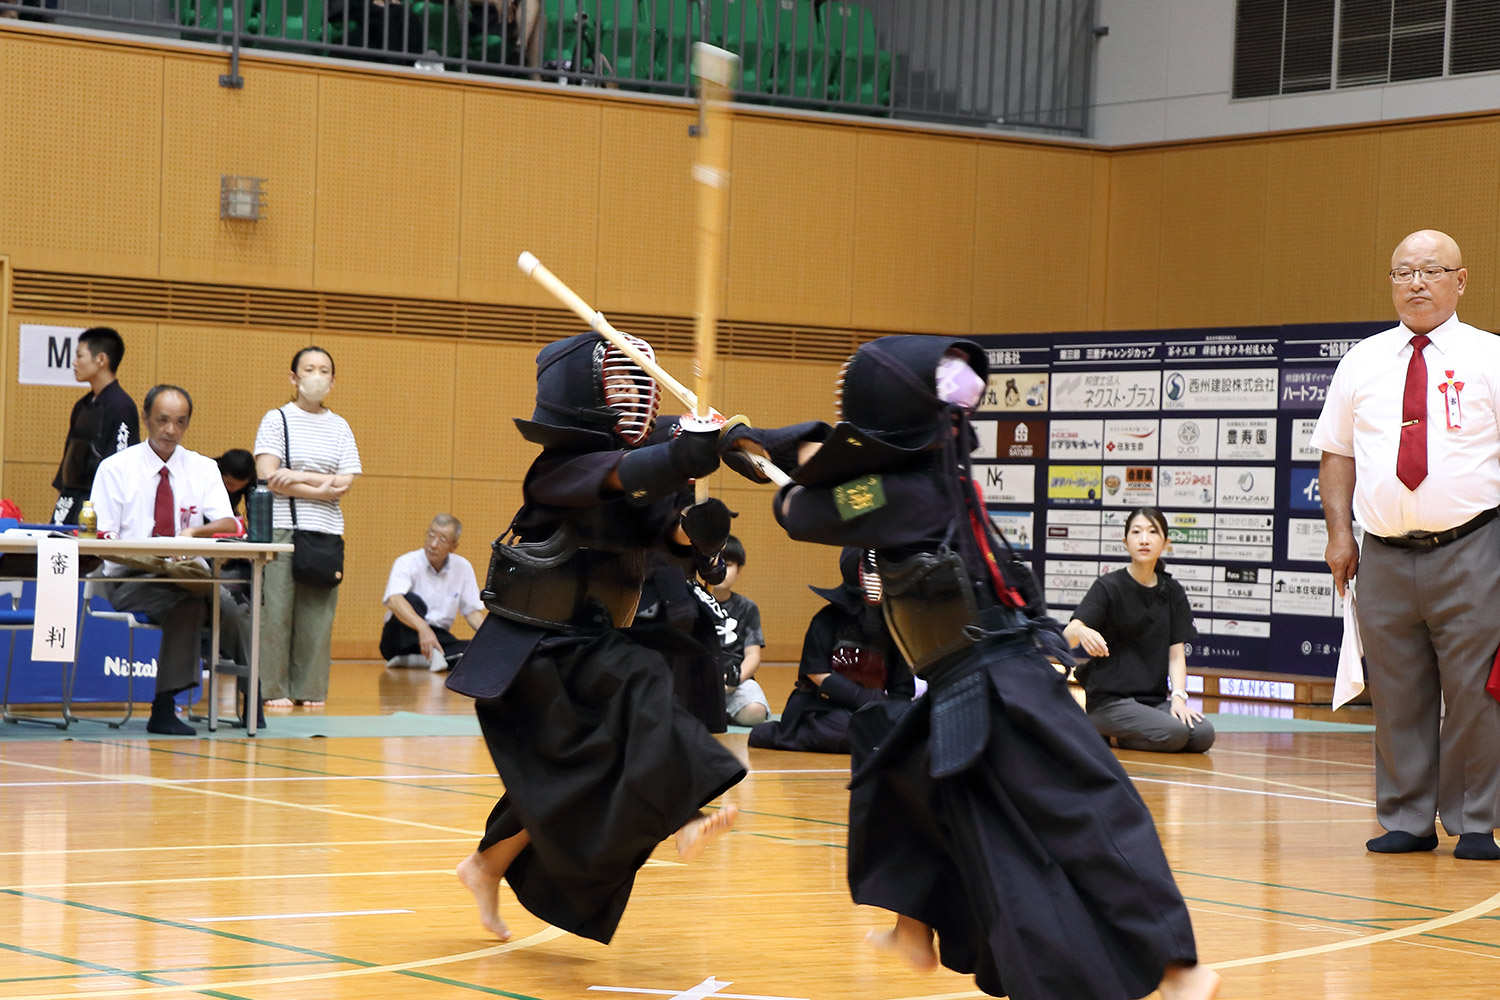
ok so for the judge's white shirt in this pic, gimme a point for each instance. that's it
(1362, 418)
(124, 493)
(447, 593)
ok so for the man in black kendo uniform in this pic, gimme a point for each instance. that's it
(989, 812)
(599, 761)
(104, 421)
(849, 660)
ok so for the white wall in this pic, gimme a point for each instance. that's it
(1164, 70)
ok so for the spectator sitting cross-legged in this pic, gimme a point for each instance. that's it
(427, 589)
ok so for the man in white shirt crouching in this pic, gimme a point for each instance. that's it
(428, 588)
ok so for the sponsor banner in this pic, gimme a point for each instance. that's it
(1073, 484)
(1302, 489)
(1130, 485)
(1247, 439)
(1306, 539)
(1015, 392)
(988, 447)
(1302, 432)
(1132, 440)
(1191, 537)
(1298, 593)
(1186, 485)
(1006, 483)
(1020, 439)
(1074, 517)
(1070, 545)
(1076, 440)
(1097, 353)
(1224, 346)
(1219, 389)
(1106, 391)
(1018, 526)
(1189, 439)
(1305, 388)
(1245, 486)
(1232, 626)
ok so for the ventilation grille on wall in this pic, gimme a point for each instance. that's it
(48, 292)
(1288, 46)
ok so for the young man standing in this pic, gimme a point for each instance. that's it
(103, 422)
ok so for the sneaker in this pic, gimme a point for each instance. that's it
(407, 660)
(438, 663)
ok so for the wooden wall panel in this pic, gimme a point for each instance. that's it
(647, 232)
(398, 394)
(1443, 178)
(1133, 282)
(229, 399)
(790, 257)
(389, 166)
(80, 151)
(267, 130)
(530, 182)
(1032, 232)
(1212, 255)
(1321, 260)
(914, 233)
(493, 384)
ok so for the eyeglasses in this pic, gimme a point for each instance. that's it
(1403, 275)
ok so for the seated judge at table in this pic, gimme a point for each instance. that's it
(160, 489)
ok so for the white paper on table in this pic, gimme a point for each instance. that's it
(52, 637)
(1350, 679)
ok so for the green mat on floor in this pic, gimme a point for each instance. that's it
(1233, 722)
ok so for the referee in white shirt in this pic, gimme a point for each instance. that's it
(159, 489)
(427, 589)
(1411, 444)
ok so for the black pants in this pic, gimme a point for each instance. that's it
(400, 639)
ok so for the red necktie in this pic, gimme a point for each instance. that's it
(1411, 456)
(166, 508)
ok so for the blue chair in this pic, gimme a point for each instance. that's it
(15, 619)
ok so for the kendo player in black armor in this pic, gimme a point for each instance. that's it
(599, 761)
(849, 660)
(990, 812)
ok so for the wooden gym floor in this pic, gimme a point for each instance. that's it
(322, 868)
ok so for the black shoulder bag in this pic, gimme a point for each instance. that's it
(317, 556)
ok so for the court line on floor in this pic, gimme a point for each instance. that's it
(202, 879)
(269, 845)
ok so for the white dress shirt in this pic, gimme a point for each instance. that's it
(1362, 418)
(448, 592)
(124, 493)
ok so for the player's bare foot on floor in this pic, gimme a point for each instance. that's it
(694, 837)
(1189, 982)
(485, 886)
(910, 940)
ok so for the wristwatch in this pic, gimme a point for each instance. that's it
(1180, 694)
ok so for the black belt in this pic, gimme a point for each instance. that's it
(1425, 540)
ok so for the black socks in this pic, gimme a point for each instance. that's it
(164, 720)
(1397, 842)
(1476, 847)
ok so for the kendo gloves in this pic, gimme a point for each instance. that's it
(779, 443)
(660, 470)
(707, 526)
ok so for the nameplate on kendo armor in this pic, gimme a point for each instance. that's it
(859, 496)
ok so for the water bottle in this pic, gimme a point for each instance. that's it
(258, 512)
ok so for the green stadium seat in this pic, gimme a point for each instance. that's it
(213, 15)
(580, 31)
(674, 26)
(861, 70)
(442, 25)
(739, 26)
(800, 61)
(288, 19)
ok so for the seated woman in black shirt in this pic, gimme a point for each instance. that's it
(1133, 623)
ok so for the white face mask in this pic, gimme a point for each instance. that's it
(314, 388)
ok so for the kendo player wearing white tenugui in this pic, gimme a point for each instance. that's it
(599, 761)
(988, 811)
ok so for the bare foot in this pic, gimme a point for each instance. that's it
(485, 885)
(695, 835)
(1189, 982)
(311, 704)
(278, 703)
(910, 940)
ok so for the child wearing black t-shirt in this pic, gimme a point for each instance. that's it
(1133, 623)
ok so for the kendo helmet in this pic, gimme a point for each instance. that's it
(586, 382)
(894, 388)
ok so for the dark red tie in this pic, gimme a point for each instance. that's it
(166, 508)
(1411, 456)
